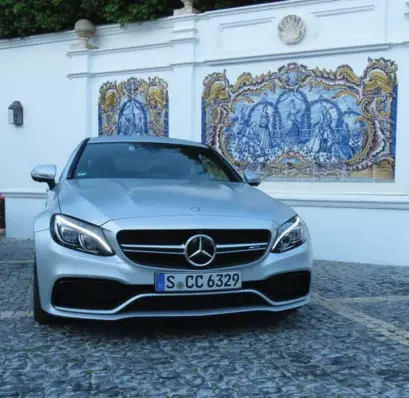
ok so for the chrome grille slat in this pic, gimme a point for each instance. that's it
(181, 247)
(181, 253)
(244, 245)
(154, 252)
(241, 251)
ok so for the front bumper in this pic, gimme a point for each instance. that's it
(79, 285)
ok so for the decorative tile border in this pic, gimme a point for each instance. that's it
(134, 107)
(301, 124)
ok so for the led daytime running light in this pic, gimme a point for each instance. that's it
(286, 231)
(84, 231)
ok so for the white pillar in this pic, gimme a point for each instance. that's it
(182, 96)
(80, 75)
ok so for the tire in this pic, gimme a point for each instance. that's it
(40, 316)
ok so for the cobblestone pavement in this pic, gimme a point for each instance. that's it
(352, 341)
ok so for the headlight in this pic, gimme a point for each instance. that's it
(290, 235)
(79, 235)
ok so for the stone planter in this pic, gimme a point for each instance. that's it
(188, 8)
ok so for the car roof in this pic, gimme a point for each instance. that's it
(144, 138)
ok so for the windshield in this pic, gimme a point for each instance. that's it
(153, 160)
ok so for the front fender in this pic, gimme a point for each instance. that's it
(42, 220)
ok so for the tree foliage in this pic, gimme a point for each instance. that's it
(20, 18)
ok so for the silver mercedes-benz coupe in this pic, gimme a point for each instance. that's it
(159, 227)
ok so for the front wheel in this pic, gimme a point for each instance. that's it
(40, 316)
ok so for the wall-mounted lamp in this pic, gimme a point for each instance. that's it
(16, 113)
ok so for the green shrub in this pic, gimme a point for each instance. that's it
(20, 18)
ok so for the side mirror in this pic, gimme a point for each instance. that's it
(45, 173)
(252, 178)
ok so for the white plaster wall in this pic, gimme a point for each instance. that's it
(20, 215)
(59, 87)
(36, 76)
(368, 236)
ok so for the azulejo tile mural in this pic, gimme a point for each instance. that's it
(134, 107)
(301, 124)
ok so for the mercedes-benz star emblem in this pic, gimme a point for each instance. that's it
(200, 250)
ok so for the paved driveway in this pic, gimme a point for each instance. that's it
(352, 341)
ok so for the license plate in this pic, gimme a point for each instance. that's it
(179, 282)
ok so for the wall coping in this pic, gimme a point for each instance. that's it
(167, 22)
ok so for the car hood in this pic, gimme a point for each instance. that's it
(100, 201)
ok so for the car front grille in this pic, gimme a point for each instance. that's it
(166, 248)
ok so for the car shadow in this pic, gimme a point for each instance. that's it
(183, 327)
